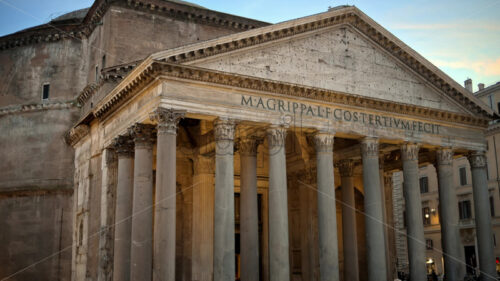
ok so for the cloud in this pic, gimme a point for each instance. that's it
(482, 67)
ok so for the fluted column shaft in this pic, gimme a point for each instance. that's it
(413, 203)
(224, 265)
(374, 220)
(448, 215)
(350, 243)
(249, 221)
(279, 261)
(203, 218)
(327, 213)
(123, 211)
(141, 256)
(165, 194)
(482, 217)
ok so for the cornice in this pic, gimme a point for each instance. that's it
(33, 107)
(145, 74)
(52, 32)
(349, 16)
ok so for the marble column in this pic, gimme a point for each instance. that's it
(448, 215)
(224, 255)
(249, 220)
(484, 233)
(350, 243)
(124, 148)
(279, 260)
(141, 255)
(374, 218)
(327, 213)
(414, 221)
(203, 218)
(165, 194)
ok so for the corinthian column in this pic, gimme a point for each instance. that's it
(413, 203)
(484, 233)
(141, 256)
(449, 215)
(165, 194)
(124, 148)
(374, 220)
(249, 221)
(327, 214)
(350, 244)
(224, 265)
(279, 261)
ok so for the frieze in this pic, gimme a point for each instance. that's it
(122, 94)
(337, 114)
(168, 119)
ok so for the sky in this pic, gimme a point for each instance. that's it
(460, 37)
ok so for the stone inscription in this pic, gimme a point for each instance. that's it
(337, 114)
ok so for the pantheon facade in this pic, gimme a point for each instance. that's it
(263, 152)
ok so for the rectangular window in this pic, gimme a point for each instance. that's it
(492, 206)
(426, 215)
(429, 244)
(103, 64)
(464, 210)
(490, 98)
(45, 91)
(463, 176)
(424, 184)
(97, 74)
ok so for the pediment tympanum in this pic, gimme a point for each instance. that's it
(339, 59)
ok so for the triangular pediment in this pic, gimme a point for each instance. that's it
(341, 50)
(339, 59)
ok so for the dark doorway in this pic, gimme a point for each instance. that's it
(470, 259)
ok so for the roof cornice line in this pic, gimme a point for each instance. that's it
(154, 69)
(53, 32)
(349, 16)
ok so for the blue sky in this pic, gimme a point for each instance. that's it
(461, 37)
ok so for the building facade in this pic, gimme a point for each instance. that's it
(205, 146)
(463, 189)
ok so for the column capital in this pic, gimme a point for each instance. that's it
(369, 147)
(124, 146)
(142, 134)
(224, 129)
(409, 151)
(276, 136)
(444, 156)
(167, 119)
(477, 159)
(248, 146)
(323, 142)
(346, 167)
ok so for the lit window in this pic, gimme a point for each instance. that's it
(45, 91)
(426, 215)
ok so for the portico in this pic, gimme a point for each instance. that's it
(262, 136)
